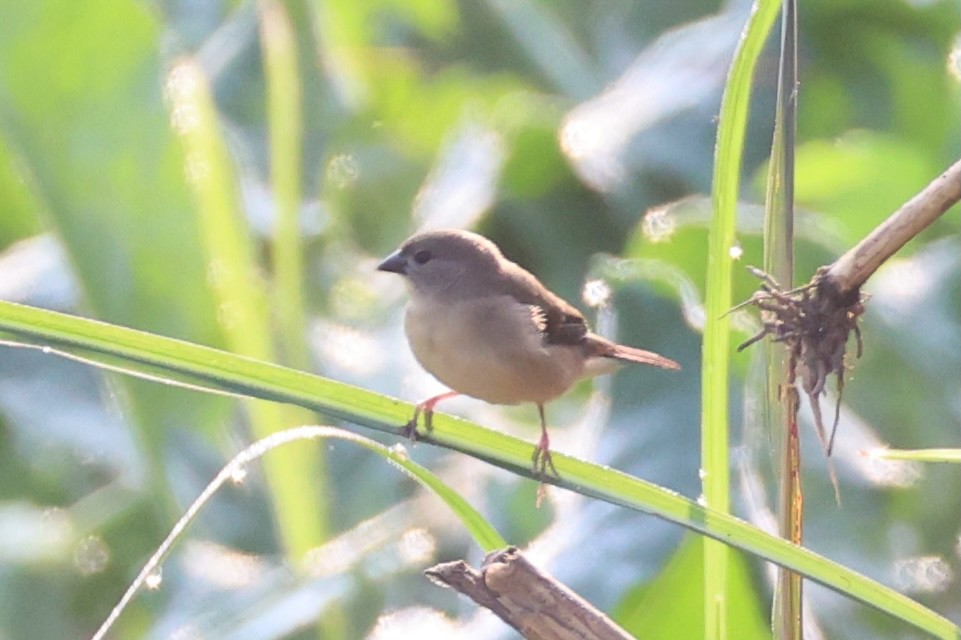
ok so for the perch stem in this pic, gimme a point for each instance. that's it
(852, 269)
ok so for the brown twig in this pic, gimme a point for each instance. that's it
(534, 603)
(852, 270)
(815, 320)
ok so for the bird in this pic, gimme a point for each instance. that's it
(487, 328)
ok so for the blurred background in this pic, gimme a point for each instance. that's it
(577, 135)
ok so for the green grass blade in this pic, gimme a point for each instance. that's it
(95, 146)
(285, 128)
(715, 455)
(241, 297)
(781, 400)
(145, 354)
(917, 455)
(483, 533)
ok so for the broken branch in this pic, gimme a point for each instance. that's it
(534, 603)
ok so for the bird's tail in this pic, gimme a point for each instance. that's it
(631, 354)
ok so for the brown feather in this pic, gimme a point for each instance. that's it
(564, 324)
(640, 356)
(601, 347)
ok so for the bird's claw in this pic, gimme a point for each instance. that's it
(542, 461)
(409, 430)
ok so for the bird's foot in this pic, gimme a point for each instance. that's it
(410, 429)
(542, 461)
(542, 454)
(425, 408)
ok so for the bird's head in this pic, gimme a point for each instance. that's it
(436, 263)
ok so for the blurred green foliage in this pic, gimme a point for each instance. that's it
(553, 128)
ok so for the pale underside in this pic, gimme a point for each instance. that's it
(493, 349)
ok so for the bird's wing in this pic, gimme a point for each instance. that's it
(559, 321)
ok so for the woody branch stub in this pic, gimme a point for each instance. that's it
(816, 320)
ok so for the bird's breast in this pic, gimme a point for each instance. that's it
(491, 348)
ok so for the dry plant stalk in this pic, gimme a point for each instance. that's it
(815, 320)
(815, 323)
(853, 269)
(534, 603)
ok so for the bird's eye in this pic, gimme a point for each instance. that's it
(421, 257)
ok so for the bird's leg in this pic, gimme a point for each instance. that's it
(542, 454)
(427, 408)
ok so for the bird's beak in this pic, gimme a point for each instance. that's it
(395, 263)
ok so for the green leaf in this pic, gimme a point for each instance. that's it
(917, 455)
(716, 354)
(484, 534)
(672, 604)
(94, 136)
(176, 362)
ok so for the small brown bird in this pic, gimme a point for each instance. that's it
(487, 328)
